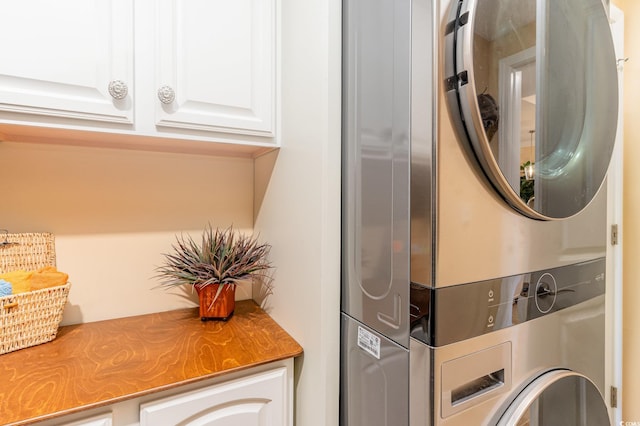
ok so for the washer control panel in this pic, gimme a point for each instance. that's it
(451, 314)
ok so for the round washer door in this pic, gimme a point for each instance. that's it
(558, 397)
(537, 94)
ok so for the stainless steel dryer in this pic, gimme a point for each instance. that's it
(476, 140)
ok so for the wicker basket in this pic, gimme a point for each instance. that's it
(31, 318)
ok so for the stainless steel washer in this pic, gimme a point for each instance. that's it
(524, 356)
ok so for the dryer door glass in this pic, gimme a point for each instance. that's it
(537, 91)
(559, 397)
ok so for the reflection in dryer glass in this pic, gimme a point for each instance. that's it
(545, 81)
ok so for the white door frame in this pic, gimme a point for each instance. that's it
(510, 83)
(613, 354)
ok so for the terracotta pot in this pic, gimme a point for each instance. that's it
(220, 309)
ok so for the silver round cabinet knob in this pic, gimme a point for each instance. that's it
(118, 89)
(166, 94)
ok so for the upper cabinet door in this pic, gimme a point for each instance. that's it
(215, 65)
(60, 58)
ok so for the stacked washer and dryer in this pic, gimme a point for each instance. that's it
(476, 140)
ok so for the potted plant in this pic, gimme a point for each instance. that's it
(214, 267)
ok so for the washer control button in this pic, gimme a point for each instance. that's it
(546, 293)
(490, 321)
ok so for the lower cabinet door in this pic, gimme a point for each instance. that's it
(256, 400)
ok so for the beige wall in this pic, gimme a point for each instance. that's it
(114, 212)
(631, 200)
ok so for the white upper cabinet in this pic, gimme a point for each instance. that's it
(155, 73)
(58, 58)
(214, 63)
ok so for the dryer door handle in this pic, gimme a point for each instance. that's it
(545, 291)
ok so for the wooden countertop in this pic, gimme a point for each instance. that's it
(100, 363)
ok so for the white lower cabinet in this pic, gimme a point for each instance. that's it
(257, 400)
(259, 396)
(99, 420)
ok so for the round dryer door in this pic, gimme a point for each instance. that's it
(537, 93)
(559, 397)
